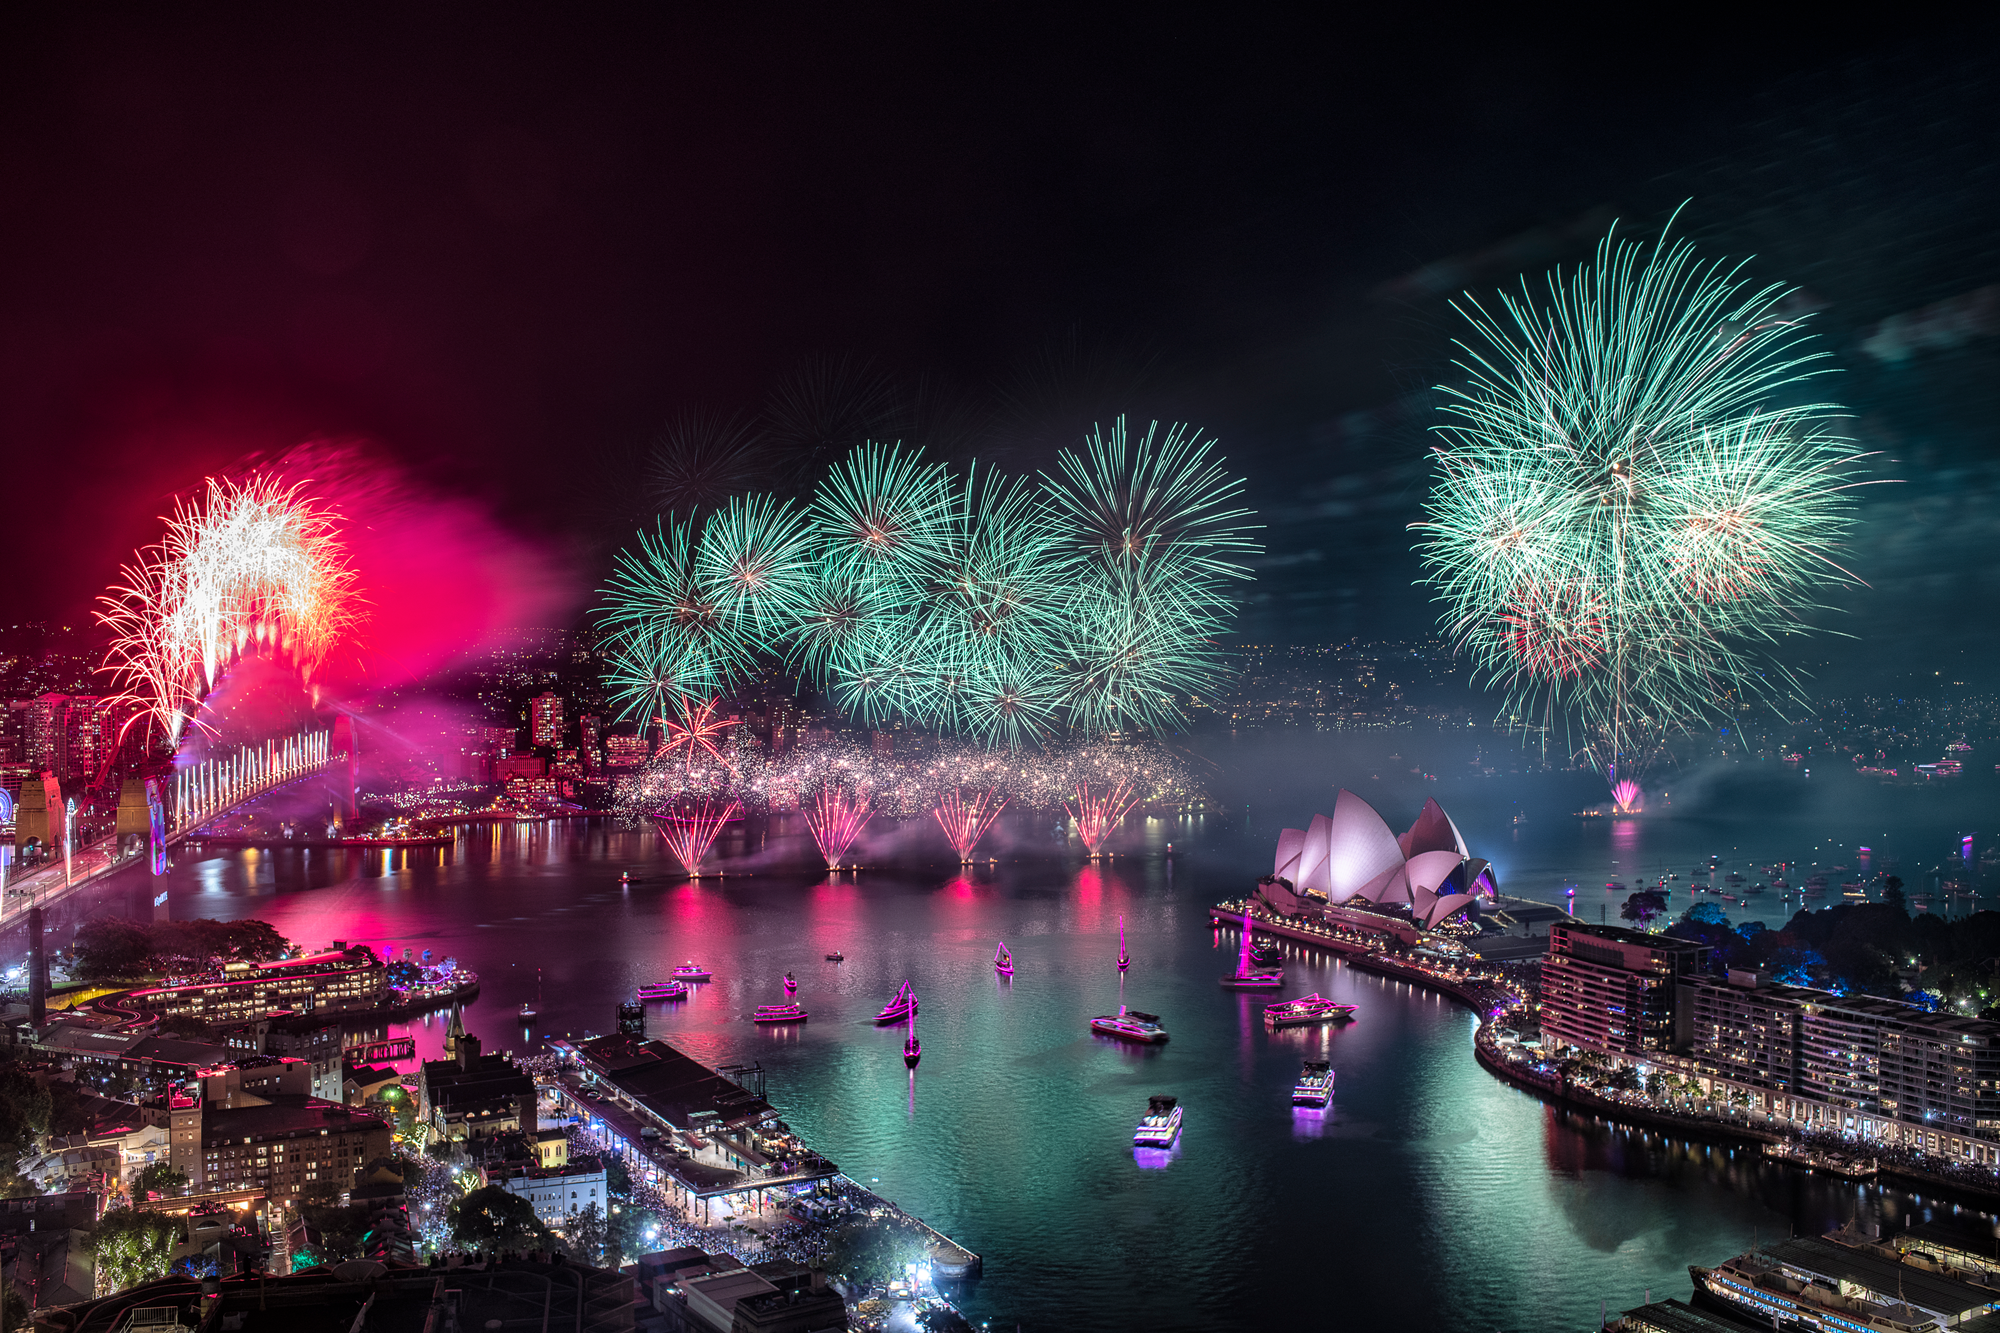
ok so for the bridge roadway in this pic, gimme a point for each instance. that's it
(93, 865)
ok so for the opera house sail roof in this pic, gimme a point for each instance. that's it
(1355, 855)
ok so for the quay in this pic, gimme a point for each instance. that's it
(706, 1141)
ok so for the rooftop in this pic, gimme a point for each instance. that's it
(1885, 1278)
(673, 1086)
(286, 1115)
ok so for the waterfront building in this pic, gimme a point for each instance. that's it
(1853, 1064)
(1612, 990)
(558, 1192)
(698, 1292)
(1845, 1281)
(281, 1145)
(1354, 857)
(340, 981)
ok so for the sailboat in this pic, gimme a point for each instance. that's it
(913, 1049)
(530, 1008)
(1247, 977)
(1003, 962)
(903, 1004)
(1124, 955)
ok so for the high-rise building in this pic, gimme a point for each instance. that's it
(42, 732)
(545, 720)
(591, 731)
(88, 737)
(1605, 988)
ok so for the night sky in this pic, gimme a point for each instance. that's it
(503, 247)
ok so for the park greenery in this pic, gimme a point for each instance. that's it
(1866, 948)
(133, 1246)
(111, 948)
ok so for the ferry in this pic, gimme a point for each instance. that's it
(663, 990)
(691, 971)
(1312, 1009)
(1130, 1025)
(778, 1013)
(1161, 1125)
(1759, 1287)
(902, 1005)
(1852, 890)
(1315, 1085)
(1003, 962)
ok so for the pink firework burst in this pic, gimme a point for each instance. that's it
(1625, 794)
(1096, 815)
(697, 732)
(966, 824)
(692, 830)
(836, 819)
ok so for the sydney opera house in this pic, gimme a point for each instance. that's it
(1354, 856)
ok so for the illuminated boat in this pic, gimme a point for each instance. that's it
(1003, 962)
(1315, 1085)
(791, 984)
(1248, 977)
(1124, 955)
(778, 1013)
(1130, 1025)
(1306, 1012)
(913, 1050)
(1758, 1286)
(902, 1005)
(1267, 954)
(1161, 1125)
(663, 990)
(691, 971)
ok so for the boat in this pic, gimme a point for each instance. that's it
(1161, 1125)
(902, 1005)
(1303, 1013)
(1003, 962)
(778, 1013)
(663, 990)
(1759, 1287)
(1267, 953)
(791, 984)
(1315, 1085)
(691, 971)
(1124, 956)
(531, 1008)
(836, 957)
(625, 877)
(1130, 1025)
(1247, 977)
(913, 1050)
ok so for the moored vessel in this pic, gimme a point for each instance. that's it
(1310, 1010)
(1160, 1126)
(663, 990)
(1130, 1025)
(1315, 1085)
(691, 971)
(778, 1013)
(1247, 977)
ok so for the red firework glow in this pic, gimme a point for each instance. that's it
(697, 732)
(1555, 633)
(690, 832)
(1097, 816)
(966, 824)
(836, 819)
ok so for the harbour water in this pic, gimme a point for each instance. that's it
(1430, 1195)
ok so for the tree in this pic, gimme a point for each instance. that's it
(625, 1234)
(1643, 906)
(109, 947)
(1892, 893)
(584, 1234)
(132, 1246)
(1705, 914)
(494, 1218)
(164, 1177)
(333, 1232)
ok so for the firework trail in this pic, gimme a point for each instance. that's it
(836, 819)
(695, 732)
(690, 831)
(1097, 816)
(1626, 519)
(250, 566)
(1626, 796)
(966, 824)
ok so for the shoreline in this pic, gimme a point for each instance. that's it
(1559, 1092)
